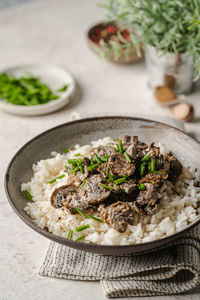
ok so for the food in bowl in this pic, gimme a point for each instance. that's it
(113, 193)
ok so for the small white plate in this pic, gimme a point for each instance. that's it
(54, 77)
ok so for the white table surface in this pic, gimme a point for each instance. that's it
(53, 32)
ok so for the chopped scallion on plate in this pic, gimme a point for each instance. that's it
(54, 180)
(28, 195)
(81, 228)
(80, 213)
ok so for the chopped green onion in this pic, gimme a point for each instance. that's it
(96, 219)
(111, 147)
(66, 168)
(80, 212)
(70, 234)
(120, 180)
(73, 161)
(77, 154)
(75, 169)
(108, 180)
(92, 167)
(82, 184)
(141, 187)
(128, 157)
(142, 169)
(54, 180)
(65, 150)
(81, 169)
(123, 190)
(117, 140)
(157, 172)
(82, 237)
(63, 88)
(28, 195)
(82, 227)
(107, 187)
(113, 176)
(146, 158)
(121, 149)
(98, 160)
(91, 161)
(118, 150)
(107, 170)
(152, 165)
(104, 159)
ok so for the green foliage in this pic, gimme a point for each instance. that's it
(114, 48)
(168, 25)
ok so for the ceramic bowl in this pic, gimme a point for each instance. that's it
(54, 77)
(122, 59)
(82, 132)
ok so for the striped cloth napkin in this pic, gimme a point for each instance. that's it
(172, 269)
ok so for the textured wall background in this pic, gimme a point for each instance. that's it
(8, 3)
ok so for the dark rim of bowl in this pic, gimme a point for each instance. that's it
(62, 240)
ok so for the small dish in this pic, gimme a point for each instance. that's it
(54, 77)
(97, 48)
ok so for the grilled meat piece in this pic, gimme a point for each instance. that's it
(154, 151)
(118, 215)
(146, 201)
(119, 165)
(148, 209)
(62, 195)
(175, 168)
(102, 169)
(162, 163)
(135, 153)
(129, 186)
(102, 151)
(128, 140)
(154, 178)
(92, 192)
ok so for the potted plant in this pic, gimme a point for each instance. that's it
(170, 32)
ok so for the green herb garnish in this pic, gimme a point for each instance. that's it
(120, 180)
(121, 149)
(107, 187)
(27, 91)
(54, 180)
(77, 154)
(152, 165)
(80, 212)
(82, 237)
(92, 167)
(141, 187)
(96, 219)
(91, 161)
(157, 172)
(142, 169)
(82, 184)
(66, 168)
(128, 157)
(28, 195)
(65, 150)
(63, 88)
(76, 169)
(81, 168)
(146, 158)
(82, 227)
(105, 158)
(97, 159)
(73, 161)
(70, 234)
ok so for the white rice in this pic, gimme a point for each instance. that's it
(175, 212)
